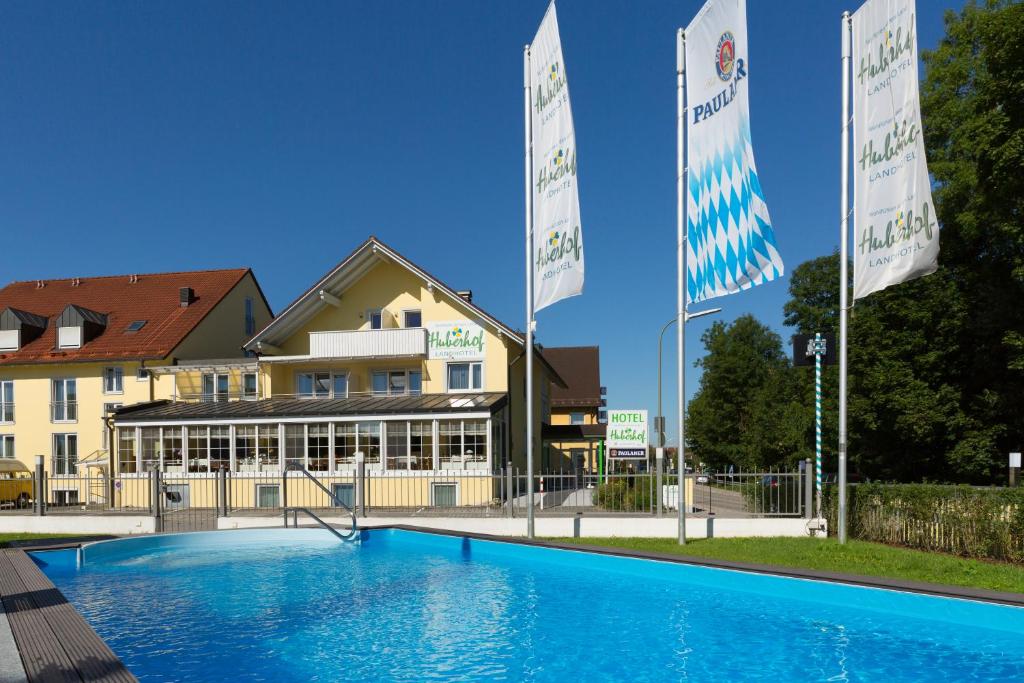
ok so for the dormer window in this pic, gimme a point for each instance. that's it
(18, 328)
(77, 326)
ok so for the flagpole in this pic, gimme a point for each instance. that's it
(681, 267)
(844, 219)
(528, 153)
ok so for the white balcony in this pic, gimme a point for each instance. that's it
(387, 343)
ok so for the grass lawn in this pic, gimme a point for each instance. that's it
(7, 538)
(856, 557)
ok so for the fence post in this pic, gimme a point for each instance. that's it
(222, 492)
(510, 498)
(284, 491)
(659, 459)
(39, 488)
(808, 489)
(154, 498)
(360, 483)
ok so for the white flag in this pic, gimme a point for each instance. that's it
(557, 240)
(730, 243)
(896, 236)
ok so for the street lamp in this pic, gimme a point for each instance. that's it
(687, 317)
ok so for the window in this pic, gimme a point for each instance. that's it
(245, 448)
(250, 319)
(220, 448)
(172, 449)
(318, 446)
(474, 441)
(198, 449)
(397, 445)
(141, 375)
(376, 318)
(321, 384)
(449, 441)
(444, 495)
(149, 448)
(350, 437)
(421, 442)
(397, 382)
(462, 441)
(249, 391)
(215, 387)
(64, 397)
(294, 446)
(344, 443)
(345, 493)
(126, 461)
(7, 401)
(576, 418)
(65, 454)
(268, 496)
(266, 449)
(465, 376)
(379, 383)
(415, 382)
(368, 440)
(108, 409)
(135, 326)
(69, 337)
(7, 446)
(412, 319)
(113, 380)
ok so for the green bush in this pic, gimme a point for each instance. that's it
(962, 520)
(632, 494)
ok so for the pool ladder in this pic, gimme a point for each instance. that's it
(353, 533)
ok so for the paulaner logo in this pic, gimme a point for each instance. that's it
(559, 246)
(731, 69)
(549, 90)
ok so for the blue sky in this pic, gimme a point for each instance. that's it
(160, 136)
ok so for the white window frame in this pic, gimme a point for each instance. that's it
(406, 312)
(331, 374)
(268, 486)
(7, 446)
(107, 409)
(471, 389)
(370, 313)
(4, 404)
(70, 337)
(458, 492)
(256, 386)
(142, 374)
(53, 454)
(53, 402)
(387, 377)
(214, 397)
(116, 374)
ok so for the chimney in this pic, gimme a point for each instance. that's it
(466, 294)
(186, 296)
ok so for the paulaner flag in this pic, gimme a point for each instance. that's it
(557, 240)
(895, 235)
(730, 241)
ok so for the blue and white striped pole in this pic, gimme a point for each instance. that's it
(819, 349)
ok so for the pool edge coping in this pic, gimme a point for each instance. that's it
(905, 585)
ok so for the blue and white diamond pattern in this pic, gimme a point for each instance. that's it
(730, 241)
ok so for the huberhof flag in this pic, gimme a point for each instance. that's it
(895, 236)
(557, 240)
(730, 241)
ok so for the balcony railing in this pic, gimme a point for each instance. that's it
(245, 396)
(64, 411)
(388, 343)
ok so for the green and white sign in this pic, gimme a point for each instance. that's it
(456, 340)
(627, 434)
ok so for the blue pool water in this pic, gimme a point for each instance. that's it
(295, 605)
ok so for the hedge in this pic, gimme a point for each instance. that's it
(962, 520)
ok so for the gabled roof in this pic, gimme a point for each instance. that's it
(580, 366)
(120, 300)
(350, 270)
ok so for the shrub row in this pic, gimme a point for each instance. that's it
(962, 520)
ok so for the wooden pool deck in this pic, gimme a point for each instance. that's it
(54, 641)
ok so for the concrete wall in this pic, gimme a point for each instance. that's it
(118, 525)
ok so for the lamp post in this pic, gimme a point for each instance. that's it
(659, 421)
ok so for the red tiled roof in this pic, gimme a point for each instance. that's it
(123, 299)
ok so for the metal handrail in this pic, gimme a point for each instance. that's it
(295, 522)
(337, 501)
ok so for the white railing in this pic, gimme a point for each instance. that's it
(404, 341)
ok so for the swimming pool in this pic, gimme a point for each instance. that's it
(296, 605)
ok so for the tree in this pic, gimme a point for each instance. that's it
(726, 424)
